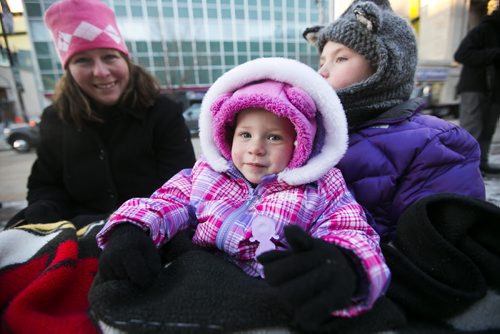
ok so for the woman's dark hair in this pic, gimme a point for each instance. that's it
(73, 106)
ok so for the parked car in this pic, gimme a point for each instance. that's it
(22, 137)
(441, 110)
(191, 116)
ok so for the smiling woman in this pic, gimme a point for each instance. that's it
(109, 134)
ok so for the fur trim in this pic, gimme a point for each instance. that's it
(294, 73)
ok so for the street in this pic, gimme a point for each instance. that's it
(15, 168)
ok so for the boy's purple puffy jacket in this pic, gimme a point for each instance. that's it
(404, 156)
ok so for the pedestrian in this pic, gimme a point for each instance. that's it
(109, 134)
(396, 154)
(266, 194)
(479, 84)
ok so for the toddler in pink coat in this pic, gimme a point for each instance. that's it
(266, 194)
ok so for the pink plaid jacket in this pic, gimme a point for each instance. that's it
(223, 209)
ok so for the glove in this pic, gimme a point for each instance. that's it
(42, 212)
(130, 255)
(315, 276)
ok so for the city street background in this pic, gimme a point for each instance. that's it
(15, 168)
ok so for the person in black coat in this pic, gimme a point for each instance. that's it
(479, 84)
(109, 134)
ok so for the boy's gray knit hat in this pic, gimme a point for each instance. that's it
(387, 41)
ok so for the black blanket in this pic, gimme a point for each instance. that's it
(445, 263)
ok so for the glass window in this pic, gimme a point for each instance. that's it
(141, 46)
(136, 10)
(45, 64)
(252, 14)
(216, 60)
(152, 11)
(277, 14)
(42, 48)
(228, 46)
(173, 61)
(189, 77)
(266, 15)
(229, 59)
(212, 13)
(216, 73)
(168, 12)
(214, 46)
(254, 47)
(183, 12)
(239, 13)
(175, 77)
(186, 46)
(242, 46)
(242, 59)
(197, 12)
(156, 47)
(291, 47)
(201, 47)
(49, 81)
(202, 59)
(33, 9)
(279, 47)
(226, 13)
(144, 61)
(188, 60)
(120, 10)
(159, 61)
(172, 47)
(161, 76)
(267, 46)
(204, 76)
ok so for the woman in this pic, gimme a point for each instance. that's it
(109, 135)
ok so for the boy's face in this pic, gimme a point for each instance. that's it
(263, 143)
(342, 66)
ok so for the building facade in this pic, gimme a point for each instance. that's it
(188, 44)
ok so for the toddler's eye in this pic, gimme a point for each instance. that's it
(274, 137)
(244, 135)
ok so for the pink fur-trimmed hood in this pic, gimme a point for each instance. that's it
(289, 89)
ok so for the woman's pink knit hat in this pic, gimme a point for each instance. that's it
(277, 97)
(80, 25)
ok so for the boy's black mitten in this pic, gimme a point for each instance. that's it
(315, 276)
(130, 255)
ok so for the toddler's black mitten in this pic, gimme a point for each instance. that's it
(315, 276)
(130, 255)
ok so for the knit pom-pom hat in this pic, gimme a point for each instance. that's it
(81, 25)
(277, 97)
(387, 41)
(289, 89)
